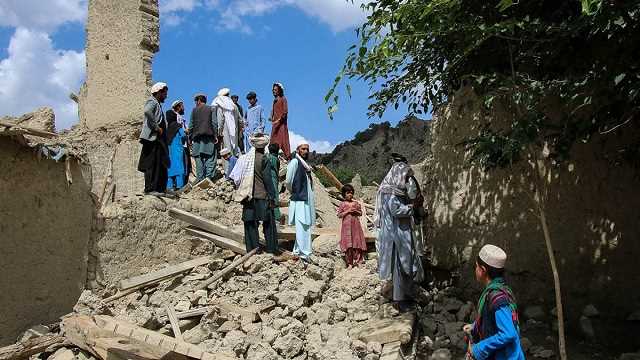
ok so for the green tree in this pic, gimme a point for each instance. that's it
(580, 55)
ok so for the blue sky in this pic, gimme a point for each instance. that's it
(204, 45)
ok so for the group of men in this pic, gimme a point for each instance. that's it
(224, 129)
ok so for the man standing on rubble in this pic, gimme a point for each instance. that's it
(253, 174)
(302, 212)
(228, 120)
(397, 256)
(154, 157)
(203, 131)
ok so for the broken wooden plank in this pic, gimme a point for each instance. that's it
(24, 350)
(392, 351)
(187, 314)
(28, 130)
(329, 175)
(204, 224)
(157, 276)
(386, 330)
(225, 271)
(173, 320)
(220, 241)
(110, 338)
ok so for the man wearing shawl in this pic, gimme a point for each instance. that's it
(279, 118)
(154, 157)
(176, 139)
(302, 211)
(398, 260)
(203, 131)
(228, 120)
(253, 175)
(254, 119)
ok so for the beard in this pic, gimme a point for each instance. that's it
(305, 156)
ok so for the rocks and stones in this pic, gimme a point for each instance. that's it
(63, 354)
(441, 354)
(535, 312)
(288, 346)
(374, 347)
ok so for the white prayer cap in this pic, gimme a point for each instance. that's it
(175, 103)
(157, 87)
(224, 92)
(303, 142)
(224, 152)
(280, 85)
(493, 256)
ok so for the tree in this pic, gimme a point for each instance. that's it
(580, 55)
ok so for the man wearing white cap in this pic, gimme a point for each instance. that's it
(154, 157)
(302, 210)
(228, 120)
(230, 159)
(495, 333)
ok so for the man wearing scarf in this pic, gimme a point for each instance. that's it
(176, 140)
(228, 120)
(397, 256)
(154, 157)
(279, 120)
(253, 174)
(302, 211)
(203, 131)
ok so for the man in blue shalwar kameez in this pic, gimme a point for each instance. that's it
(302, 213)
(176, 138)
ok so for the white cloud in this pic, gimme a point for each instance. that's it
(42, 15)
(35, 74)
(171, 10)
(340, 15)
(320, 146)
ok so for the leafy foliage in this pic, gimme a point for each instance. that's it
(579, 55)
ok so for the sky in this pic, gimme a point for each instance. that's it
(204, 45)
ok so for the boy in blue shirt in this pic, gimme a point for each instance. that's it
(495, 333)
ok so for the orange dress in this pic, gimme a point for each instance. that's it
(352, 241)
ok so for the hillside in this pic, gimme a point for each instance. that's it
(368, 153)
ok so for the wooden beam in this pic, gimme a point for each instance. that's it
(204, 224)
(173, 320)
(28, 130)
(329, 175)
(209, 282)
(23, 350)
(220, 241)
(387, 330)
(187, 314)
(157, 276)
(110, 338)
(391, 351)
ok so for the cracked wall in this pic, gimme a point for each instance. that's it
(122, 38)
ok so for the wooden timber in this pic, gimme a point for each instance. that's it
(157, 276)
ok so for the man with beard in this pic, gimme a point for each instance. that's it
(302, 211)
(203, 131)
(397, 256)
(280, 119)
(154, 157)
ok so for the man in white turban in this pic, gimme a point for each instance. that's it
(154, 156)
(228, 120)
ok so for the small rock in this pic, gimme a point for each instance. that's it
(452, 305)
(339, 315)
(288, 346)
(323, 315)
(196, 335)
(586, 327)
(183, 305)
(360, 316)
(590, 311)
(228, 326)
(441, 354)
(269, 334)
(359, 347)
(372, 357)
(374, 347)
(62, 354)
(534, 312)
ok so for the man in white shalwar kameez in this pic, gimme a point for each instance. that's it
(302, 212)
(228, 120)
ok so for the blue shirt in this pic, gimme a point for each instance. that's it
(505, 344)
(255, 119)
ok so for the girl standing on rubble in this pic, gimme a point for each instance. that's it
(352, 241)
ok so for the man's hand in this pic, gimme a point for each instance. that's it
(467, 328)
(160, 131)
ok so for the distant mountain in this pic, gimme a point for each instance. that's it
(368, 154)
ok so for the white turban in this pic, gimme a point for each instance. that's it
(225, 151)
(157, 87)
(224, 92)
(175, 103)
(303, 142)
(259, 141)
(493, 256)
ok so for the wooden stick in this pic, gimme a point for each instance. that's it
(205, 224)
(30, 347)
(226, 270)
(329, 175)
(28, 130)
(173, 320)
(188, 314)
(220, 241)
(157, 276)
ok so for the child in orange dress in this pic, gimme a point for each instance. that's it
(352, 241)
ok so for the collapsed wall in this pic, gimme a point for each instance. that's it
(45, 223)
(122, 38)
(591, 213)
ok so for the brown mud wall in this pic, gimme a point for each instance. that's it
(45, 226)
(592, 212)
